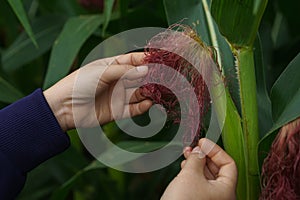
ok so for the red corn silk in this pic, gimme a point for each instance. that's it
(160, 52)
(281, 168)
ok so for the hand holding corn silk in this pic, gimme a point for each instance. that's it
(281, 169)
(160, 51)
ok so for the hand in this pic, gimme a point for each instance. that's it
(87, 93)
(208, 173)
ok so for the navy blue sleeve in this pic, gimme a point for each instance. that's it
(29, 135)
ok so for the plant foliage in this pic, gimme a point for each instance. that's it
(257, 48)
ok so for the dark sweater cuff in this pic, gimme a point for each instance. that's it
(30, 133)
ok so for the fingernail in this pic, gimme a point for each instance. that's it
(142, 68)
(199, 152)
(186, 149)
(196, 150)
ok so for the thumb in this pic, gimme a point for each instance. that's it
(196, 162)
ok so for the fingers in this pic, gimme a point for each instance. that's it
(130, 59)
(208, 174)
(135, 109)
(136, 73)
(124, 64)
(182, 164)
(133, 95)
(195, 163)
(226, 165)
(115, 72)
(210, 169)
(218, 162)
(117, 102)
(115, 67)
(213, 168)
(187, 151)
(133, 83)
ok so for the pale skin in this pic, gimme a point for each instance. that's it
(213, 176)
(207, 173)
(125, 68)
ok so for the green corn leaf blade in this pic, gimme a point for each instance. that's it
(265, 120)
(75, 32)
(133, 146)
(68, 8)
(285, 94)
(23, 51)
(192, 13)
(8, 93)
(123, 7)
(238, 20)
(62, 192)
(108, 7)
(8, 22)
(264, 146)
(233, 140)
(20, 12)
(232, 133)
(285, 98)
(263, 99)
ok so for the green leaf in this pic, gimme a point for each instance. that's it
(68, 8)
(23, 51)
(238, 20)
(136, 146)
(233, 140)
(132, 146)
(19, 10)
(285, 94)
(75, 32)
(265, 120)
(123, 7)
(264, 146)
(108, 7)
(285, 98)
(54, 173)
(62, 191)
(8, 22)
(8, 93)
(192, 13)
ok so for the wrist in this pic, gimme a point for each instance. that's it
(61, 107)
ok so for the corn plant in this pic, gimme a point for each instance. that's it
(261, 130)
(232, 28)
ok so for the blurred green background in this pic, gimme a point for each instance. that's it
(61, 47)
